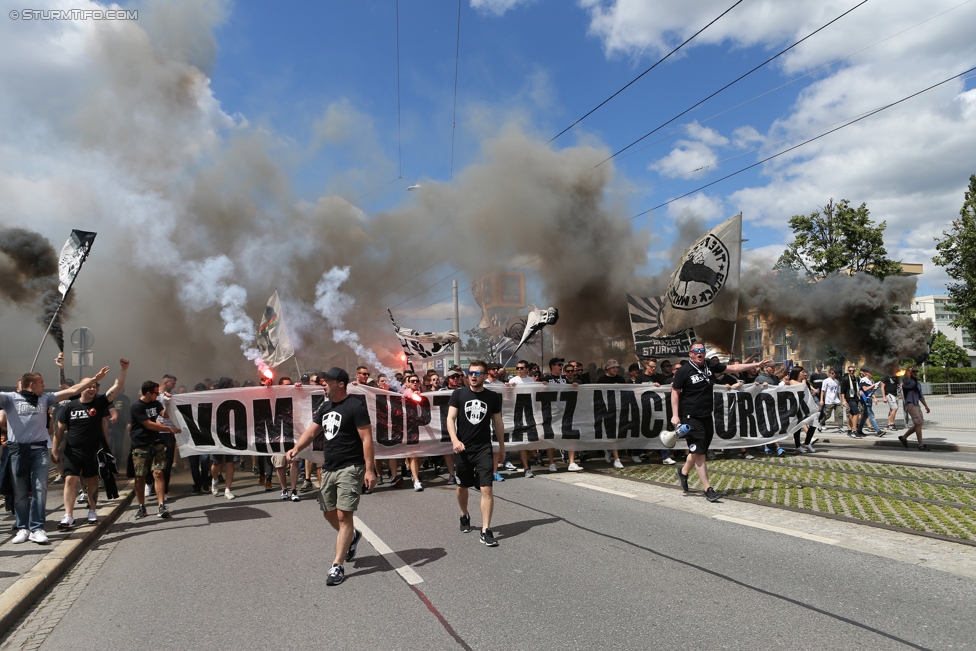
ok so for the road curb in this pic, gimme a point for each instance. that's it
(835, 440)
(19, 597)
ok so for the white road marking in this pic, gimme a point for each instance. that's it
(770, 527)
(406, 572)
(606, 490)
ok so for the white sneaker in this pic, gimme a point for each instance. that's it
(417, 486)
(617, 463)
(92, 516)
(510, 466)
(228, 494)
(82, 497)
(552, 467)
(810, 449)
(67, 523)
(38, 536)
(574, 467)
(801, 450)
(214, 488)
(636, 458)
(747, 456)
(668, 462)
(21, 536)
(529, 474)
(607, 457)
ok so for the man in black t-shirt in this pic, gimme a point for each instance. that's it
(889, 391)
(148, 450)
(349, 463)
(691, 404)
(472, 413)
(83, 425)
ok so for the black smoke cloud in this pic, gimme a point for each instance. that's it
(29, 277)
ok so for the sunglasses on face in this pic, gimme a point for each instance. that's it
(475, 373)
(698, 350)
(521, 368)
(414, 381)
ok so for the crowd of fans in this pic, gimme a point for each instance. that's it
(83, 431)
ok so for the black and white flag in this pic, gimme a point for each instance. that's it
(423, 344)
(705, 285)
(73, 255)
(649, 339)
(273, 340)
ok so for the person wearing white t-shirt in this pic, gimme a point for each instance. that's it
(522, 369)
(830, 402)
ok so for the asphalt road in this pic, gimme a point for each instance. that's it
(575, 569)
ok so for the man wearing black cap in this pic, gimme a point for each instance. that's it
(348, 463)
(691, 404)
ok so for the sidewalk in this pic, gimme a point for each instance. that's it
(954, 440)
(28, 568)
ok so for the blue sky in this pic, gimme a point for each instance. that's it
(225, 136)
(546, 63)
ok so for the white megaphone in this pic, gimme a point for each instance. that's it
(669, 438)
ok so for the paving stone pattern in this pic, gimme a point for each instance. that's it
(917, 499)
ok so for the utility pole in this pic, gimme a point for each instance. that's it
(457, 325)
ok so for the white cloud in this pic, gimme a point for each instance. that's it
(692, 158)
(698, 206)
(496, 7)
(443, 312)
(910, 164)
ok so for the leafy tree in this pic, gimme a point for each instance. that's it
(956, 250)
(837, 237)
(478, 343)
(946, 352)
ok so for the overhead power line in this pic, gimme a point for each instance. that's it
(796, 79)
(658, 62)
(805, 142)
(730, 84)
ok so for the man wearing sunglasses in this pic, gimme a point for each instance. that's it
(472, 414)
(691, 404)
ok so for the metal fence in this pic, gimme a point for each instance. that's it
(953, 407)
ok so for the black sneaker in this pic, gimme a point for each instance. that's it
(306, 486)
(682, 479)
(356, 535)
(336, 575)
(295, 497)
(396, 481)
(851, 434)
(488, 539)
(163, 512)
(141, 512)
(711, 495)
(924, 448)
(465, 523)
(904, 441)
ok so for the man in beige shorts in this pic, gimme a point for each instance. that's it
(348, 466)
(280, 463)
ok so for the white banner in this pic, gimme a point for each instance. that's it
(267, 420)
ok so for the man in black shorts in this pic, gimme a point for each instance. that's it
(691, 403)
(472, 412)
(348, 466)
(83, 426)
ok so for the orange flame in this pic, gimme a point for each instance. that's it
(267, 373)
(901, 373)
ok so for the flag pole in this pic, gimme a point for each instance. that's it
(738, 292)
(46, 332)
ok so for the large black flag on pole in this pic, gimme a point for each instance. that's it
(649, 338)
(73, 256)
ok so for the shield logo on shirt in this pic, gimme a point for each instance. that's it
(475, 410)
(331, 424)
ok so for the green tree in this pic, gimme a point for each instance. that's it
(478, 343)
(956, 250)
(834, 238)
(946, 352)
